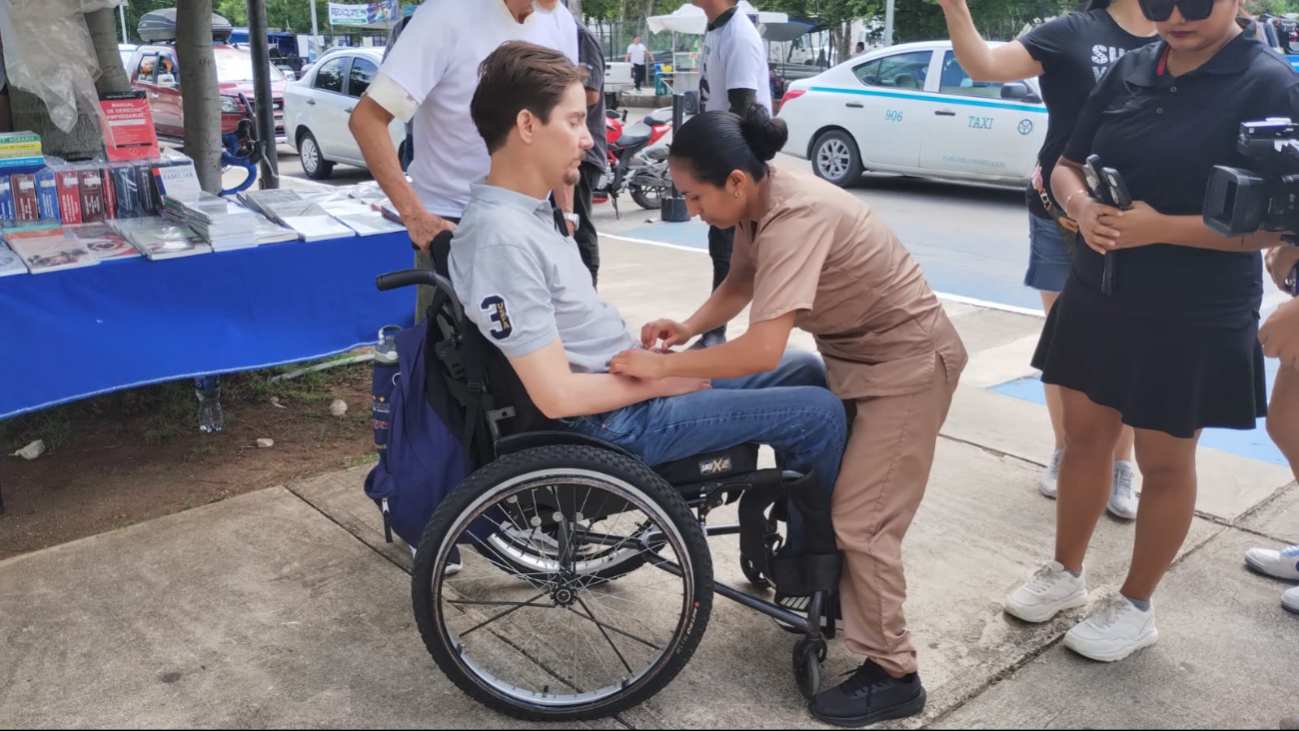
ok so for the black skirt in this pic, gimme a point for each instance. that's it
(1165, 370)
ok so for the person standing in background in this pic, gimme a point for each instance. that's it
(734, 77)
(637, 55)
(596, 163)
(861, 48)
(1070, 55)
(429, 79)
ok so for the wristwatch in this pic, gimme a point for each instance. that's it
(574, 219)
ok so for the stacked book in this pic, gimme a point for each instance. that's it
(103, 241)
(20, 152)
(225, 225)
(270, 232)
(159, 238)
(43, 246)
(305, 214)
(10, 264)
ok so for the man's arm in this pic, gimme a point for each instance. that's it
(559, 393)
(369, 125)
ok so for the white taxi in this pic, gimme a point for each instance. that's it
(911, 109)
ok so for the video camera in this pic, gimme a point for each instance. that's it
(1240, 202)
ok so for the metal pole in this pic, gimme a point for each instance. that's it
(258, 42)
(888, 23)
(126, 37)
(314, 51)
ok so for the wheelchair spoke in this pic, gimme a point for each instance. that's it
(503, 615)
(629, 636)
(520, 605)
(591, 616)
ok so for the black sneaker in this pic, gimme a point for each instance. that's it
(869, 697)
(711, 339)
(801, 604)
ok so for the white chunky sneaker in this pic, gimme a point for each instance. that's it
(454, 564)
(1049, 484)
(1123, 501)
(1283, 564)
(1114, 632)
(1290, 601)
(1052, 590)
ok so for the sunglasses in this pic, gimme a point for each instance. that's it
(1161, 10)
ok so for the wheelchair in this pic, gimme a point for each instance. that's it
(585, 581)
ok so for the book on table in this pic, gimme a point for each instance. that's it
(10, 263)
(270, 232)
(160, 239)
(363, 219)
(103, 241)
(52, 253)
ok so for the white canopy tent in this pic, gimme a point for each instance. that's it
(690, 19)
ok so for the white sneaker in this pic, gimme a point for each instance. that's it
(1283, 564)
(454, 564)
(1123, 501)
(1113, 633)
(1052, 590)
(1290, 601)
(1049, 484)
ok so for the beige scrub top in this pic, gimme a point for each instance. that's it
(824, 254)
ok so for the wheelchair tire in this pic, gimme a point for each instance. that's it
(466, 505)
(808, 656)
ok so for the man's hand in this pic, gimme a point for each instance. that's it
(1280, 335)
(424, 227)
(640, 364)
(665, 334)
(682, 386)
(1281, 261)
(571, 228)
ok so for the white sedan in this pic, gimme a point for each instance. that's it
(911, 109)
(317, 108)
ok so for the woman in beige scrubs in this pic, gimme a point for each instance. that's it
(810, 255)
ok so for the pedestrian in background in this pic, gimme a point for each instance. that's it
(596, 163)
(1069, 55)
(637, 56)
(1172, 348)
(735, 76)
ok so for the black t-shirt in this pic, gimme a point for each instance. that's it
(1164, 135)
(592, 57)
(1075, 52)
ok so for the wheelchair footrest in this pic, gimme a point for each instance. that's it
(806, 574)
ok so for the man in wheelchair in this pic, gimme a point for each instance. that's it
(524, 286)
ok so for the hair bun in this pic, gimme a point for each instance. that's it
(765, 134)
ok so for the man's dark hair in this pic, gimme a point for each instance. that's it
(519, 76)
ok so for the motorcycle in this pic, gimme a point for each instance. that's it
(635, 167)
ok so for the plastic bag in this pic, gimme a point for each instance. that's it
(48, 52)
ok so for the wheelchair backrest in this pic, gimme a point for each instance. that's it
(477, 373)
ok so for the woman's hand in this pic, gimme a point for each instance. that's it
(1099, 235)
(1138, 226)
(1280, 334)
(668, 332)
(1280, 262)
(641, 364)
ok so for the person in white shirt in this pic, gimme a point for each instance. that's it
(428, 79)
(735, 76)
(637, 54)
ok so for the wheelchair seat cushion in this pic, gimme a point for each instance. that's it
(713, 466)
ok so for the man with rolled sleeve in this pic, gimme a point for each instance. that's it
(428, 80)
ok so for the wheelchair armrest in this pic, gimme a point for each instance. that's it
(413, 277)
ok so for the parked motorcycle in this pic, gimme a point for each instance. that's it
(635, 167)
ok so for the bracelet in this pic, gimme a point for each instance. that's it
(1069, 200)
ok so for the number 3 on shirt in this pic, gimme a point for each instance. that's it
(494, 306)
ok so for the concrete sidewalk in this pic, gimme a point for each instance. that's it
(286, 608)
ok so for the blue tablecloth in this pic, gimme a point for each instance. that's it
(122, 324)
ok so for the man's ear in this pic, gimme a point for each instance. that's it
(526, 124)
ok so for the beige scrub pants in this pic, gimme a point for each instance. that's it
(884, 476)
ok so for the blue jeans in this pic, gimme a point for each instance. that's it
(789, 409)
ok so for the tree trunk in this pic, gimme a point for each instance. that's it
(103, 32)
(86, 140)
(201, 100)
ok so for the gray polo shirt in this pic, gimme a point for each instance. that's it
(524, 285)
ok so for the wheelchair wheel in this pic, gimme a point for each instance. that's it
(808, 657)
(551, 643)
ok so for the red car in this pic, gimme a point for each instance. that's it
(154, 70)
